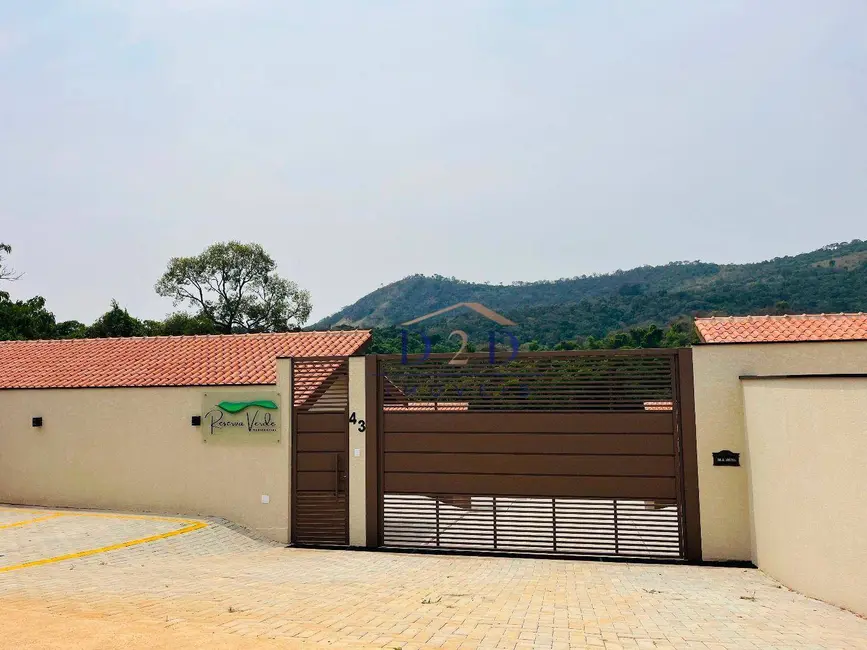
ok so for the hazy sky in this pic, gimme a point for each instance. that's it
(363, 141)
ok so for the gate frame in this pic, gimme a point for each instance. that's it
(684, 426)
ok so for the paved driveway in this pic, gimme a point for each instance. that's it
(70, 579)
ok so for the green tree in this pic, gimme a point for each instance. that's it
(153, 327)
(184, 324)
(70, 329)
(680, 334)
(116, 322)
(25, 319)
(235, 287)
(782, 307)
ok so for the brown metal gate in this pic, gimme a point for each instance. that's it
(568, 453)
(320, 451)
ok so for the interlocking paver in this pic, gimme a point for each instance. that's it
(219, 578)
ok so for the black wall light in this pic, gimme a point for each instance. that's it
(196, 420)
(37, 422)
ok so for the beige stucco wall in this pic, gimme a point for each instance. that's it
(135, 449)
(807, 442)
(724, 491)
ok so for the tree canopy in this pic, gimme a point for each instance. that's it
(116, 322)
(25, 319)
(235, 287)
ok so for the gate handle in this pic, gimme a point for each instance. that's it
(336, 474)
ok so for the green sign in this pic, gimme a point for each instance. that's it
(241, 417)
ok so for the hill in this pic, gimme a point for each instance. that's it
(830, 279)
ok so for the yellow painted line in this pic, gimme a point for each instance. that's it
(31, 521)
(190, 527)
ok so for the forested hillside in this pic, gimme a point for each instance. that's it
(830, 279)
(649, 306)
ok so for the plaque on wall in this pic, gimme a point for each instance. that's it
(726, 458)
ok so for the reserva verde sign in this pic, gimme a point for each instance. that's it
(241, 417)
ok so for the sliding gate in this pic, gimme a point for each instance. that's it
(573, 453)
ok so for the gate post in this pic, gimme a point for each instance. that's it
(286, 383)
(371, 475)
(357, 452)
(689, 454)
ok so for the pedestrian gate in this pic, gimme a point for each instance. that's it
(567, 453)
(320, 451)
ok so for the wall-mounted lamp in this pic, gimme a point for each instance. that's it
(37, 422)
(196, 421)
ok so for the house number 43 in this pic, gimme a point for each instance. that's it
(360, 423)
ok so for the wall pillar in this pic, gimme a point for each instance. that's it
(357, 453)
(286, 386)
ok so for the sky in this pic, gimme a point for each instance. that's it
(363, 141)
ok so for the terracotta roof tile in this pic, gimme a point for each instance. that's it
(306, 384)
(781, 329)
(235, 359)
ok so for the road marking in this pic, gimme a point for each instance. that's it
(31, 521)
(191, 525)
